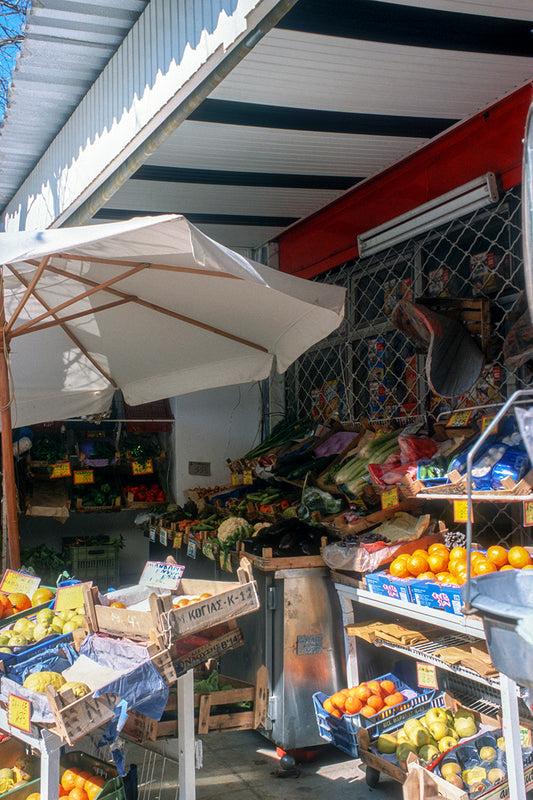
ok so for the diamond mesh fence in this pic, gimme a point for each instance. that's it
(369, 369)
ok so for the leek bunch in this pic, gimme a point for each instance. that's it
(353, 475)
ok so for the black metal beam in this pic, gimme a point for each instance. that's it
(215, 177)
(230, 112)
(200, 218)
(408, 25)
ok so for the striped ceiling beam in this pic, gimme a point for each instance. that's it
(199, 218)
(416, 27)
(214, 177)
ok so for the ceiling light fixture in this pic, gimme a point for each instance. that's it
(462, 200)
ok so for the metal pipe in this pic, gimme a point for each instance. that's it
(8, 463)
(467, 608)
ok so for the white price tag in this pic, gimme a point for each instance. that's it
(162, 575)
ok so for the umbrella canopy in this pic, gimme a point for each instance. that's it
(151, 306)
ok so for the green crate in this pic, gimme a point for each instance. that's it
(113, 788)
(98, 563)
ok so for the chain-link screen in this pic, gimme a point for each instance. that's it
(368, 368)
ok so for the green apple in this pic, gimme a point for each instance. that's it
(403, 750)
(487, 753)
(436, 714)
(18, 640)
(387, 743)
(41, 631)
(438, 729)
(5, 650)
(23, 625)
(446, 743)
(474, 775)
(428, 753)
(411, 725)
(495, 775)
(450, 768)
(44, 616)
(4, 638)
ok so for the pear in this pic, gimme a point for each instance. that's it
(387, 743)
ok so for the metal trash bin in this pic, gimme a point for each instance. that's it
(504, 600)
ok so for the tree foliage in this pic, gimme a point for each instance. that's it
(12, 21)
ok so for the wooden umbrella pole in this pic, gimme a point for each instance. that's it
(8, 465)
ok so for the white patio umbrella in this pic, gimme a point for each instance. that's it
(151, 306)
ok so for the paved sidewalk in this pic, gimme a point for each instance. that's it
(243, 765)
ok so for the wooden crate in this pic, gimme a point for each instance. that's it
(267, 563)
(142, 729)
(75, 717)
(227, 601)
(81, 509)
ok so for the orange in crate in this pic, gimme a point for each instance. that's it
(519, 557)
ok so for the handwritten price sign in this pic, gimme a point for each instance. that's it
(18, 582)
(163, 536)
(426, 676)
(161, 575)
(83, 476)
(191, 548)
(247, 477)
(19, 713)
(69, 597)
(459, 420)
(390, 499)
(528, 513)
(62, 470)
(460, 511)
(142, 467)
(236, 478)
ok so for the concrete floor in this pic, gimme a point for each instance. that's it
(243, 765)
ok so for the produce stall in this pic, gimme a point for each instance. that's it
(76, 662)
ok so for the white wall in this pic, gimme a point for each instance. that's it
(213, 425)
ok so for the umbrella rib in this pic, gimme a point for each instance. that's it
(69, 333)
(52, 311)
(167, 267)
(63, 320)
(154, 307)
(29, 289)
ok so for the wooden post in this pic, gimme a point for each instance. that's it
(8, 466)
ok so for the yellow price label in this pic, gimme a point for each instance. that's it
(390, 499)
(142, 467)
(62, 470)
(18, 582)
(459, 419)
(426, 675)
(528, 513)
(69, 597)
(460, 511)
(485, 422)
(178, 538)
(82, 476)
(236, 478)
(225, 562)
(19, 712)
(207, 549)
(247, 477)
(525, 737)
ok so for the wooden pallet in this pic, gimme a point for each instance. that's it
(142, 729)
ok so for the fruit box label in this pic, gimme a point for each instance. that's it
(18, 582)
(218, 608)
(212, 649)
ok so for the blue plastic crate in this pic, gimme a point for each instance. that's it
(430, 481)
(342, 732)
(385, 584)
(444, 596)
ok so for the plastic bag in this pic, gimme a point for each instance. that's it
(314, 499)
(524, 417)
(416, 448)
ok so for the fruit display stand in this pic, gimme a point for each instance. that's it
(490, 692)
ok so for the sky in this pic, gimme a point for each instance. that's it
(12, 21)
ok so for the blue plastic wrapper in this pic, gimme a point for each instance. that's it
(53, 659)
(513, 464)
(145, 690)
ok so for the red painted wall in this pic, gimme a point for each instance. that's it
(491, 141)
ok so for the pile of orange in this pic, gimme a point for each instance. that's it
(13, 603)
(367, 699)
(78, 784)
(439, 564)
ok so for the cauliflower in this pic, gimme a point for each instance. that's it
(232, 530)
(259, 527)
